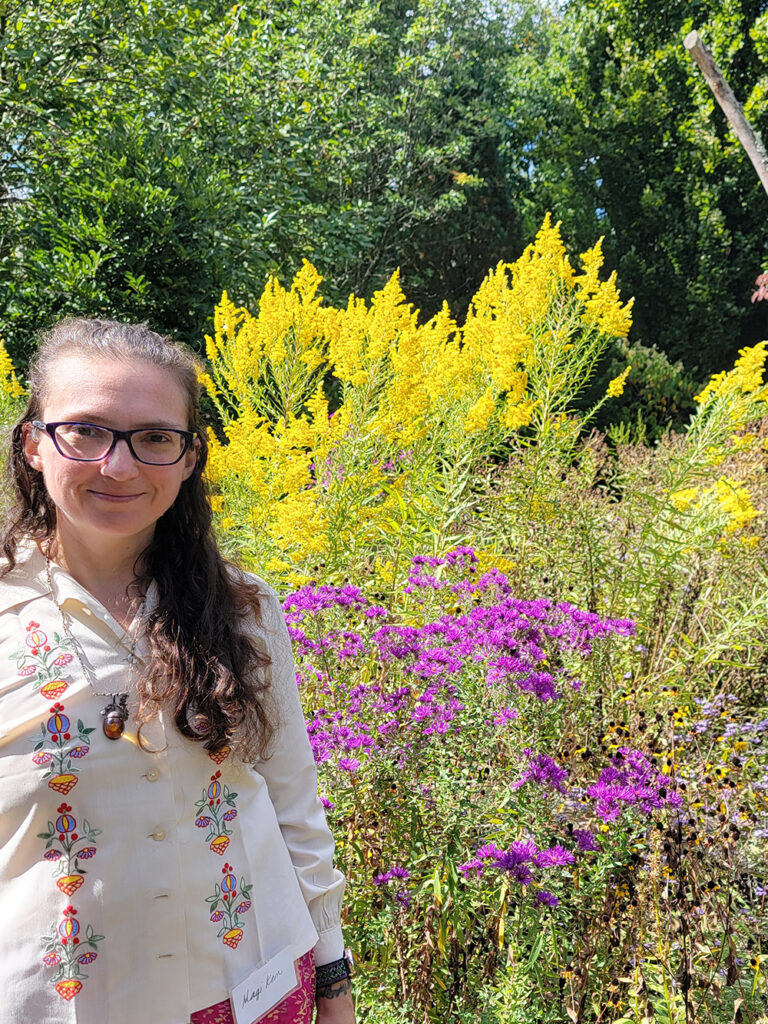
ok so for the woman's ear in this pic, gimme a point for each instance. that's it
(31, 442)
(190, 459)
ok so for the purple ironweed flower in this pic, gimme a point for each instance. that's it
(504, 715)
(547, 898)
(585, 840)
(394, 872)
(555, 856)
(349, 764)
(542, 769)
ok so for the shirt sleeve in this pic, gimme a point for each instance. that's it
(291, 779)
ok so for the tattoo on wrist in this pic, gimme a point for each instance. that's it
(338, 988)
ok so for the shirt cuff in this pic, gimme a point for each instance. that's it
(329, 946)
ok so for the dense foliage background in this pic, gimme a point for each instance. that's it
(152, 154)
(532, 652)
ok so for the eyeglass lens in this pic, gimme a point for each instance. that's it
(84, 441)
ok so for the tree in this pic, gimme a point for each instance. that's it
(155, 154)
(624, 140)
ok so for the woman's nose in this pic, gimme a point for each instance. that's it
(120, 463)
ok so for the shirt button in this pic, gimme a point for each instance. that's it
(158, 835)
(153, 775)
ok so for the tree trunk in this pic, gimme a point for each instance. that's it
(746, 135)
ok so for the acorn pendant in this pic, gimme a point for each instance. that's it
(115, 715)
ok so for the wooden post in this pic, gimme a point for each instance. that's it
(745, 133)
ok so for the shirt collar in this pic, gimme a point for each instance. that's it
(28, 580)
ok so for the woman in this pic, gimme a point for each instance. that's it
(146, 869)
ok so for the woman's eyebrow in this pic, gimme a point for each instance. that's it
(100, 421)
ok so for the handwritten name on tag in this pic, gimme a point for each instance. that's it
(264, 988)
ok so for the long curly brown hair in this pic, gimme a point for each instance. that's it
(204, 665)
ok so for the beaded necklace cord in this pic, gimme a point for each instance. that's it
(115, 713)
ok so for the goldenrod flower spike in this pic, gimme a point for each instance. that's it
(616, 386)
(8, 379)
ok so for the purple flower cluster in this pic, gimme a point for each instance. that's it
(394, 872)
(520, 646)
(317, 598)
(542, 769)
(632, 780)
(462, 558)
(585, 840)
(714, 710)
(518, 861)
(400, 895)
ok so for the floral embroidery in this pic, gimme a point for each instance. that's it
(220, 755)
(63, 949)
(43, 659)
(213, 814)
(215, 808)
(67, 843)
(227, 903)
(56, 749)
(61, 841)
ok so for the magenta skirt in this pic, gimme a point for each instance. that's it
(297, 1008)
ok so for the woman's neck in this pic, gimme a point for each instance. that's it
(105, 570)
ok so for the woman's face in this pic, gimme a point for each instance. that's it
(117, 497)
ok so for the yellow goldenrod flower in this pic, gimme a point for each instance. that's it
(682, 500)
(519, 415)
(616, 386)
(745, 378)
(736, 501)
(480, 413)
(8, 380)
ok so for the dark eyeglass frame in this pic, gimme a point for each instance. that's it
(117, 435)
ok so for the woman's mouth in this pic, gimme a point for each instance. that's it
(118, 498)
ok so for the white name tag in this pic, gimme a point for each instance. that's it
(264, 988)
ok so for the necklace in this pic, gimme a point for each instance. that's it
(115, 713)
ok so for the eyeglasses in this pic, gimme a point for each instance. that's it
(87, 442)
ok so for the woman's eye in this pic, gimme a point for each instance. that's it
(157, 437)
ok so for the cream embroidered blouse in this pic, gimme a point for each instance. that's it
(134, 885)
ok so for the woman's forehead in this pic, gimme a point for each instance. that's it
(81, 386)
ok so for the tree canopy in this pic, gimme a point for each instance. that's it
(154, 153)
(625, 139)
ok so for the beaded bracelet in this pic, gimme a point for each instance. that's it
(329, 974)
